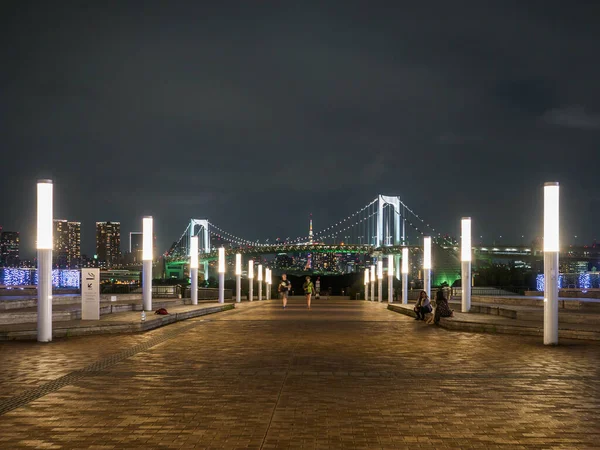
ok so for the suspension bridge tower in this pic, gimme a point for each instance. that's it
(398, 233)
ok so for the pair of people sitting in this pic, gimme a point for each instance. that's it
(442, 308)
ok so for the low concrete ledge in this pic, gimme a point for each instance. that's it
(107, 326)
(483, 323)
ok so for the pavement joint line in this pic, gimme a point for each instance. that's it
(30, 395)
(287, 371)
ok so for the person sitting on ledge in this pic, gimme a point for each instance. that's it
(423, 306)
(442, 309)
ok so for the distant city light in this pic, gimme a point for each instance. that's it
(61, 278)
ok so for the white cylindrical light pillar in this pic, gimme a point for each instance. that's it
(380, 280)
(44, 245)
(367, 281)
(251, 280)
(465, 258)
(147, 254)
(405, 275)
(221, 275)
(194, 269)
(427, 265)
(238, 277)
(551, 250)
(268, 283)
(390, 278)
(373, 274)
(260, 281)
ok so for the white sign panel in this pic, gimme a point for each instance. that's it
(90, 294)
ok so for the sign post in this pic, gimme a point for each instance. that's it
(90, 294)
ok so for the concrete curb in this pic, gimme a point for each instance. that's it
(154, 322)
(518, 328)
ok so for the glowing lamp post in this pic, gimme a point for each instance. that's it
(194, 268)
(260, 281)
(427, 265)
(251, 280)
(221, 275)
(379, 281)
(465, 258)
(551, 249)
(367, 280)
(44, 260)
(147, 244)
(238, 277)
(405, 275)
(268, 282)
(373, 278)
(390, 278)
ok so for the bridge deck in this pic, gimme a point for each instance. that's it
(347, 374)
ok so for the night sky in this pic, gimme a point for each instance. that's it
(254, 114)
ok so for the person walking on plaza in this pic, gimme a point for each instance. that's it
(423, 306)
(284, 289)
(318, 288)
(309, 288)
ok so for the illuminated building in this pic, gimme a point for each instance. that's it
(74, 245)
(67, 244)
(60, 249)
(108, 243)
(9, 248)
(135, 245)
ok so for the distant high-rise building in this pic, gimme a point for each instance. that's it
(67, 244)
(136, 245)
(108, 243)
(74, 252)
(60, 250)
(9, 248)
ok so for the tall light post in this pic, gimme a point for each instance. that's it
(367, 281)
(221, 275)
(405, 275)
(379, 280)
(373, 278)
(465, 258)
(194, 268)
(260, 281)
(251, 280)
(427, 265)
(238, 277)
(44, 259)
(147, 253)
(390, 278)
(268, 282)
(551, 250)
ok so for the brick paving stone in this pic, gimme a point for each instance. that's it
(346, 374)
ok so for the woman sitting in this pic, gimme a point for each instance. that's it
(423, 306)
(442, 309)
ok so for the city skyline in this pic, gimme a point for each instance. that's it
(128, 245)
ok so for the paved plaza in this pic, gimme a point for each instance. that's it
(346, 374)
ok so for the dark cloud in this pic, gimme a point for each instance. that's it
(253, 113)
(573, 117)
